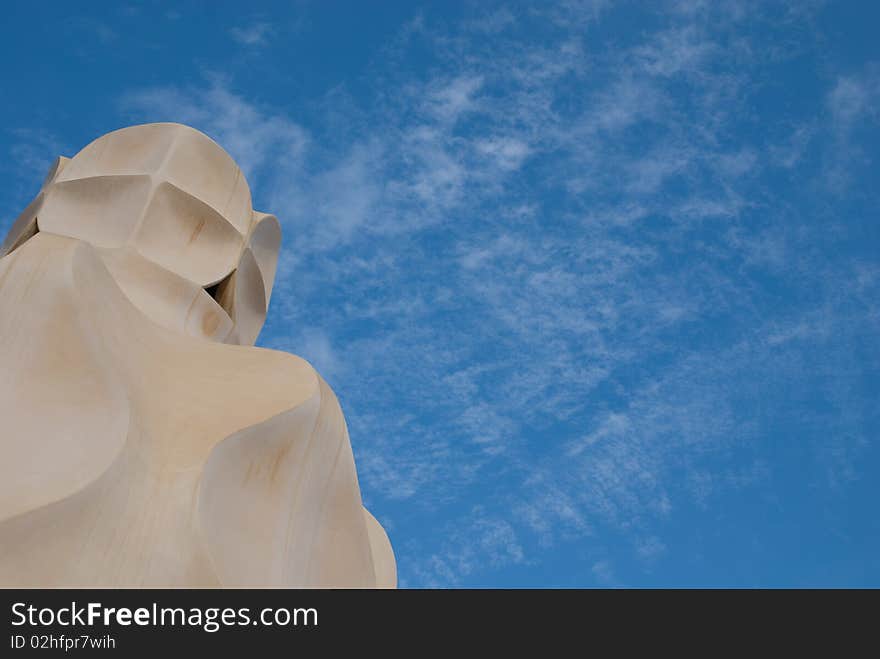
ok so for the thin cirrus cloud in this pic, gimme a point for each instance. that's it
(256, 34)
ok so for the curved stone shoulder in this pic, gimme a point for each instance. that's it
(279, 502)
(64, 411)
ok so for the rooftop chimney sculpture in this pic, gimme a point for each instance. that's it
(145, 441)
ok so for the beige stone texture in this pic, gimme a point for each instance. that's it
(146, 442)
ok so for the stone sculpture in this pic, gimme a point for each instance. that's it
(145, 442)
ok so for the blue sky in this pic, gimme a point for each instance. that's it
(597, 284)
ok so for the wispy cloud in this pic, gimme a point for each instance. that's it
(852, 102)
(34, 151)
(31, 152)
(255, 34)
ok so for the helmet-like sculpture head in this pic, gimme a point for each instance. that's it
(170, 214)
